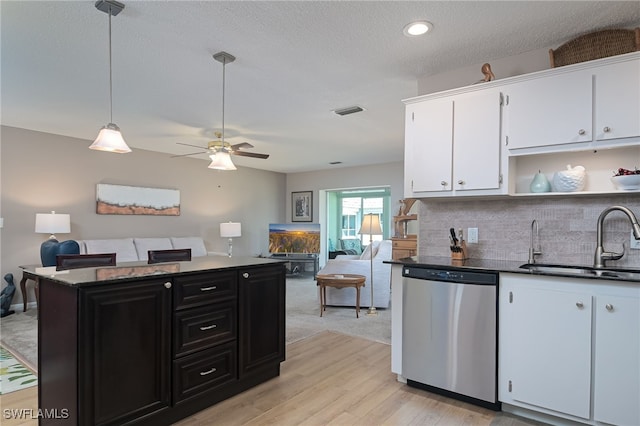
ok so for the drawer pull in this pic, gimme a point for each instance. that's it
(204, 373)
(213, 287)
(580, 305)
(607, 129)
(167, 284)
(208, 327)
(609, 307)
(582, 132)
(245, 275)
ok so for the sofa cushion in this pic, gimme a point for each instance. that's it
(143, 245)
(124, 248)
(196, 244)
(370, 251)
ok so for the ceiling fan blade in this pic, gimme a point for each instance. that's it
(194, 146)
(241, 145)
(186, 155)
(250, 154)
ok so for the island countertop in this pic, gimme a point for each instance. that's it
(140, 269)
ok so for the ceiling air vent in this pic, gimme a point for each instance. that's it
(348, 110)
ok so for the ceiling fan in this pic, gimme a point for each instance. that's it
(220, 150)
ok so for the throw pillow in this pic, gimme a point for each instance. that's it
(351, 244)
(370, 251)
(51, 248)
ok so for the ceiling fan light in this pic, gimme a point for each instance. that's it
(110, 139)
(221, 160)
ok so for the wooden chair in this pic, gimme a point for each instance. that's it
(175, 255)
(75, 261)
(596, 45)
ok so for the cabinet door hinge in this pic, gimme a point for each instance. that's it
(510, 297)
(500, 178)
(510, 386)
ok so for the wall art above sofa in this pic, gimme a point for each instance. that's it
(122, 199)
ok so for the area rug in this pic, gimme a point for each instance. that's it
(303, 316)
(19, 334)
(14, 375)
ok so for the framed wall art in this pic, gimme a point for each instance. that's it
(302, 206)
(122, 199)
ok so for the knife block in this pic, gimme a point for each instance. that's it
(462, 254)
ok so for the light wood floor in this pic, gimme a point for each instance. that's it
(327, 379)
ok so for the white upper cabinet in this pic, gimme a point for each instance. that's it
(452, 145)
(617, 101)
(598, 103)
(476, 141)
(551, 110)
(428, 146)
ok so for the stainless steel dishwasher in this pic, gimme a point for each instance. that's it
(449, 336)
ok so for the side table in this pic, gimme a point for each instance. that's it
(339, 281)
(26, 275)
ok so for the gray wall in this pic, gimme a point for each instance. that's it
(41, 172)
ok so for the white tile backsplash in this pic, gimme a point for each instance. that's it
(567, 227)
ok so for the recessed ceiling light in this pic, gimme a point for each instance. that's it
(417, 28)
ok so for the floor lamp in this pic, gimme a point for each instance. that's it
(371, 226)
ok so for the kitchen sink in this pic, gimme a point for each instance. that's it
(584, 271)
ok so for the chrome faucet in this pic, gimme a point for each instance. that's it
(602, 256)
(533, 252)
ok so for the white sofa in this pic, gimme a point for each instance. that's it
(361, 265)
(132, 249)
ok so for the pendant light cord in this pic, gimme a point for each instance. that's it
(224, 63)
(110, 78)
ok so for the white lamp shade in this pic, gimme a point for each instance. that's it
(110, 139)
(370, 225)
(53, 223)
(221, 160)
(230, 229)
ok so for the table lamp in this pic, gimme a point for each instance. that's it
(54, 223)
(230, 230)
(371, 226)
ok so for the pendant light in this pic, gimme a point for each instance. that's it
(221, 160)
(110, 138)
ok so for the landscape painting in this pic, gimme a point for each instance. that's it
(122, 199)
(294, 238)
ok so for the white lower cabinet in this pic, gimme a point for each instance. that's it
(570, 348)
(617, 352)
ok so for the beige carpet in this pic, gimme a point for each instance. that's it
(19, 332)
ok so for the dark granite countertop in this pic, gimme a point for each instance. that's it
(492, 265)
(141, 269)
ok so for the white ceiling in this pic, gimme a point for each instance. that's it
(296, 62)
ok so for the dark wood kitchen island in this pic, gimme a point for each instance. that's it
(151, 344)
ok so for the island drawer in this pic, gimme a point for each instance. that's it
(200, 328)
(203, 289)
(204, 371)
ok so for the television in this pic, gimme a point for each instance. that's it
(294, 238)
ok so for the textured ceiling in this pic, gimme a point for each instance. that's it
(296, 62)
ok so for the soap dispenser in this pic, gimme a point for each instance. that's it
(540, 183)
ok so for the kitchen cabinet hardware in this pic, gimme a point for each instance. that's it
(460, 182)
(582, 132)
(208, 327)
(167, 284)
(609, 307)
(580, 305)
(443, 183)
(245, 275)
(205, 373)
(213, 287)
(606, 129)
